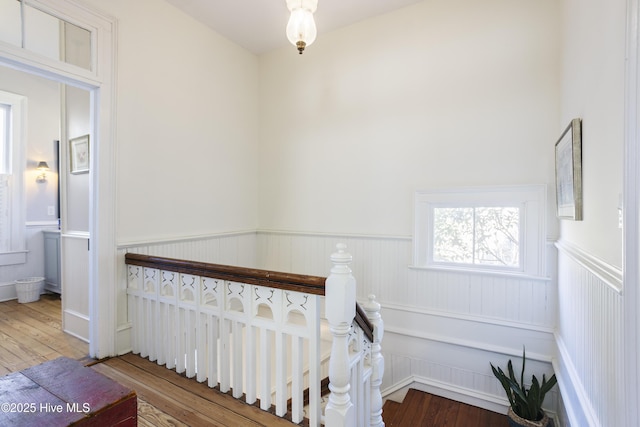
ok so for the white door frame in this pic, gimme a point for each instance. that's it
(629, 406)
(100, 81)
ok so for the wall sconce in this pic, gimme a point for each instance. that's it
(42, 167)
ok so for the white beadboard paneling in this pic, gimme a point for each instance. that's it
(460, 372)
(589, 336)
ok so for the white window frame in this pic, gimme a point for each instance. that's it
(532, 202)
(17, 253)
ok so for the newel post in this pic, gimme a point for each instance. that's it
(372, 309)
(340, 299)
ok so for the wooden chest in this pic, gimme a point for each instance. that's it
(64, 392)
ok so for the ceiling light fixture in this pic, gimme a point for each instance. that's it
(301, 28)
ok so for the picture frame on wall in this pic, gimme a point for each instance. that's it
(569, 172)
(79, 154)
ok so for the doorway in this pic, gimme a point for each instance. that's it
(53, 112)
(98, 80)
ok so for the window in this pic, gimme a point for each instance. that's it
(12, 214)
(477, 235)
(500, 229)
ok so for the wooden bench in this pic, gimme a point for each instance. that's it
(64, 392)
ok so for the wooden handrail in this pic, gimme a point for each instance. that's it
(287, 281)
(253, 276)
(363, 321)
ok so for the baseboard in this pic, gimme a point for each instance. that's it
(123, 339)
(577, 406)
(8, 291)
(76, 324)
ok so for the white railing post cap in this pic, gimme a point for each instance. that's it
(341, 256)
(372, 305)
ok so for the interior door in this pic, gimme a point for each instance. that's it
(75, 179)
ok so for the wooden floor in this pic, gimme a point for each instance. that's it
(31, 334)
(423, 409)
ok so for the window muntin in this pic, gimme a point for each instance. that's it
(37, 28)
(500, 229)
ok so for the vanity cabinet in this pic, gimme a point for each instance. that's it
(52, 281)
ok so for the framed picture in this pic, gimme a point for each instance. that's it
(79, 154)
(569, 172)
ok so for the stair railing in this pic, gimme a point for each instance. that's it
(257, 334)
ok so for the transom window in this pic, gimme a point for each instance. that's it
(500, 229)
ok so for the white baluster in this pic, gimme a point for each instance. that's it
(340, 296)
(372, 308)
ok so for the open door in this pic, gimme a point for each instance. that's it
(75, 194)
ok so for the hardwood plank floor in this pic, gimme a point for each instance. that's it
(423, 409)
(31, 334)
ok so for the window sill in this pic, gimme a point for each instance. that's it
(13, 258)
(481, 272)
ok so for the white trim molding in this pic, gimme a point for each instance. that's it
(570, 385)
(629, 405)
(530, 199)
(608, 273)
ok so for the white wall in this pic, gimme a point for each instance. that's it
(590, 284)
(43, 121)
(593, 89)
(76, 197)
(186, 125)
(438, 94)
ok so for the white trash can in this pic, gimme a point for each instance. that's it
(29, 289)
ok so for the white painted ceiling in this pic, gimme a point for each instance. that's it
(259, 25)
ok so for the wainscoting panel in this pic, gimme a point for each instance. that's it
(589, 339)
(459, 372)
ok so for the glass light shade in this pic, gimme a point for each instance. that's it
(301, 27)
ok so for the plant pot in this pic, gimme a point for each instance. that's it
(517, 421)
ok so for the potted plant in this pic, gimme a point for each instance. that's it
(525, 408)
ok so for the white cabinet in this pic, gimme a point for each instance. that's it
(52, 280)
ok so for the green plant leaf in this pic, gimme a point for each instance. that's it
(527, 403)
(522, 373)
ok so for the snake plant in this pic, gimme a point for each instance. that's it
(526, 403)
